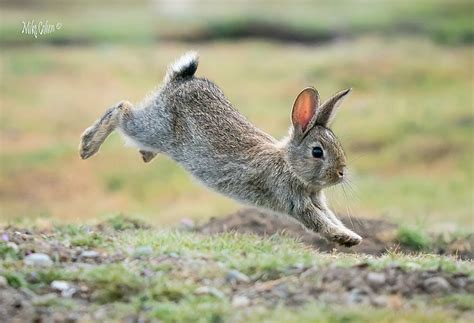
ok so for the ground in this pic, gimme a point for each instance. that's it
(124, 269)
(407, 130)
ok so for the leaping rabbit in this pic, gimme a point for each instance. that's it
(189, 119)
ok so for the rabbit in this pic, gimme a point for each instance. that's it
(190, 119)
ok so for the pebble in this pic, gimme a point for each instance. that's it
(66, 289)
(60, 285)
(38, 260)
(358, 296)
(295, 269)
(240, 301)
(235, 276)
(3, 282)
(143, 251)
(90, 254)
(380, 301)
(436, 285)
(206, 290)
(376, 279)
(187, 224)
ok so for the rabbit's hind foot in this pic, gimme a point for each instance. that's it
(93, 137)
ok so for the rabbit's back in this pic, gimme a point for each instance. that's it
(216, 143)
(201, 115)
(191, 120)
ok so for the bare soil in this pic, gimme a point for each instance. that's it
(379, 235)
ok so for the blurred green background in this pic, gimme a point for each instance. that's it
(407, 128)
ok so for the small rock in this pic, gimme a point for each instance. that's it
(143, 251)
(38, 260)
(68, 292)
(60, 285)
(376, 279)
(187, 224)
(90, 254)
(206, 290)
(202, 290)
(64, 287)
(240, 301)
(380, 301)
(3, 282)
(295, 269)
(358, 296)
(436, 285)
(235, 276)
(281, 291)
(100, 314)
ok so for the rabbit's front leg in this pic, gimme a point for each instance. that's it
(319, 219)
(319, 199)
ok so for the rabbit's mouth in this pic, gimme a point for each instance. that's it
(334, 180)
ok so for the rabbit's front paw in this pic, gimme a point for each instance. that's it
(88, 146)
(345, 238)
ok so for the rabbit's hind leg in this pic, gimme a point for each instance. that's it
(93, 137)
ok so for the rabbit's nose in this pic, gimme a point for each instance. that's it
(341, 171)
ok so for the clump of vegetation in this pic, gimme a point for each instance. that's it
(82, 236)
(112, 282)
(120, 222)
(7, 251)
(413, 238)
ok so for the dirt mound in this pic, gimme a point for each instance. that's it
(379, 235)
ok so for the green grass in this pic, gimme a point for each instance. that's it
(441, 21)
(413, 238)
(316, 313)
(164, 284)
(407, 127)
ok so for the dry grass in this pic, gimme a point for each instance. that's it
(407, 126)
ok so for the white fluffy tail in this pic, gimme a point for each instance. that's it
(184, 67)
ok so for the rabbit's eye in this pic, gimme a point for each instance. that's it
(317, 152)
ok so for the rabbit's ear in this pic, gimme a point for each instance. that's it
(304, 110)
(328, 109)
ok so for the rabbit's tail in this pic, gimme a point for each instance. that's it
(183, 68)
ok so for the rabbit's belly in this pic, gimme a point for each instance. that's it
(236, 182)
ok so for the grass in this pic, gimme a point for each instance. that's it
(167, 283)
(448, 23)
(344, 314)
(414, 238)
(407, 128)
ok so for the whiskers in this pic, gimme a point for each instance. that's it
(350, 193)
